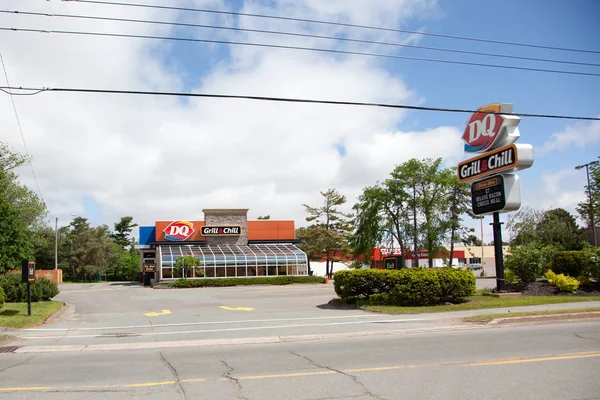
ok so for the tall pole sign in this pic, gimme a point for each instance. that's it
(490, 134)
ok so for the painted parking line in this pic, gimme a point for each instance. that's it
(375, 317)
(318, 372)
(236, 308)
(158, 314)
(88, 290)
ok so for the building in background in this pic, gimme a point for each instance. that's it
(226, 244)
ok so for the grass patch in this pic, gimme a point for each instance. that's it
(279, 280)
(14, 315)
(488, 317)
(481, 302)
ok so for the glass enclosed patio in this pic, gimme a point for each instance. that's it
(231, 261)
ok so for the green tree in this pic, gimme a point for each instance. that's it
(592, 191)
(122, 232)
(183, 265)
(471, 240)
(522, 224)
(336, 226)
(381, 212)
(264, 217)
(558, 228)
(43, 247)
(459, 204)
(21, 212)
(312, 238)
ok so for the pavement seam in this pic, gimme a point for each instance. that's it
(353, 377)
(227, 375)
(175, 375)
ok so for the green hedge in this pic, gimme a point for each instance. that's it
(278, 280)
(570, 263)
(406, 287)
(2, 297)
(15, 291)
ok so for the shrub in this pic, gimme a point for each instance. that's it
(43, 290)
(351, 284)
(219, 282)
(1, 297)
(529, 262)
(415, 286)
(16, 291)
(562, 282)
(592, 255)
(510, 277)
(380, 299)
(571, 263)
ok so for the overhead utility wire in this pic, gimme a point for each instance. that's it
(189, 25)
(20, 128)
(313, 21)
(286, 100)
(275, 46)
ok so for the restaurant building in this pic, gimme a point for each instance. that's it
(226, 244)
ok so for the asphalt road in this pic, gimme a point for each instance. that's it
(559, 361)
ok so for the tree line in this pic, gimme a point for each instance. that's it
(422, 205)
(84, 252)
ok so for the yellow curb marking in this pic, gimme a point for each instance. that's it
(236, 308)
(156, 314)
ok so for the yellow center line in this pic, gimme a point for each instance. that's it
(530, 360)
(571, 356)
(272, 376)
(27, 388)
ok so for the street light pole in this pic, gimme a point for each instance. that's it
(587, 170)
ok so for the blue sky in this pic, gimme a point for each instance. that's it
(104, 157)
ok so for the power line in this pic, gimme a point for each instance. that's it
(286, 100)
(294, 34)
(275, 46)
(20, 128)
(312, 21)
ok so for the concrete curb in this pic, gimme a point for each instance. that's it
(57, 314)
(544, 318)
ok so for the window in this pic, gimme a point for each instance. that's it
(475, 260)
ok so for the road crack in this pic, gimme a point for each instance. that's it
(238, 386)
(354, 378)
(175, 374)
(18, 364)
(580, 336)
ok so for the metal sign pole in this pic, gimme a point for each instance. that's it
(28, 299)
(499, 257)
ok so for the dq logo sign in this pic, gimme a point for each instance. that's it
(486, 131)
(179, 230)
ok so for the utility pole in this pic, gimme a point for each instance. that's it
(55, 243)
(591, 207)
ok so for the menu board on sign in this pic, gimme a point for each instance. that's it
(488, 195)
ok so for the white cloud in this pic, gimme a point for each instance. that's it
(561, 189)
(163, 157)
(577, 136)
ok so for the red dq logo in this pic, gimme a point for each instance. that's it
(179, 230)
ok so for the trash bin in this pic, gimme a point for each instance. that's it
(148, 279)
